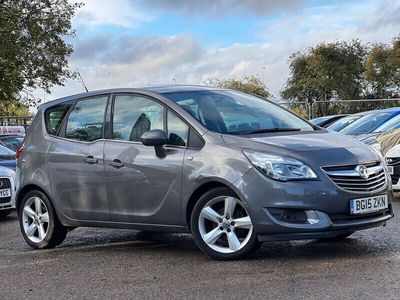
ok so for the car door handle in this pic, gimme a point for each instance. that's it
(91, 160)
(116, 163)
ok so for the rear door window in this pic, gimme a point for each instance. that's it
(54, 117)
(85, 122)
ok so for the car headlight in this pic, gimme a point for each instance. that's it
(377, 148)
(280, 167)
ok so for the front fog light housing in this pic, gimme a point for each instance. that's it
(280, 168)
(294, 216)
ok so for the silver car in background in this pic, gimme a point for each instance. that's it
(229, 167)
(7, 191)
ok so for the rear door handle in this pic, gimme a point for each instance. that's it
(91, 160)
(116, 163)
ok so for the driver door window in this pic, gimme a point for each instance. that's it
(134, 115)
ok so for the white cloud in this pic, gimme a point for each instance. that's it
(121, 13)
(220, 8)
(121, 61)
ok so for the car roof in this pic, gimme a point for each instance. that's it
(5, 136)
(158, 89)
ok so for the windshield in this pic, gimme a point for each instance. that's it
(235, 112)
(392, 124)
(13, 143)
(343, 122)
(319, 120)
(6, 152)
(366, 124)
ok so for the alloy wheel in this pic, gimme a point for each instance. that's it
(225, 225)
(35, 218)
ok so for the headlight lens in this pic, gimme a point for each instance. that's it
(280, 167)
(377, 148)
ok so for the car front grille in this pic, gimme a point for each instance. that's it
(5, 183)
(349, 178)
(393, 161)
(395, 178)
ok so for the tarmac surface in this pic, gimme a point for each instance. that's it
(125, 264)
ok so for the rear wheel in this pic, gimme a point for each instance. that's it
(5, 213)
(222, 227)
(39, 224)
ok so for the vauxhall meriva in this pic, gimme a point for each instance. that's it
(229, 167)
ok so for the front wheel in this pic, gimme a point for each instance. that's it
(222, 227)
(39, 224)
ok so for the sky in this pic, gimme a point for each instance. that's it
(134, 43)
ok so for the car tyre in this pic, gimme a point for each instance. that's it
(39, 223)
(212, 229)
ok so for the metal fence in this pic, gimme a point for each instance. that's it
(326, 108)
(15, 121)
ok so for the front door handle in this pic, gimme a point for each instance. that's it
(91, 160)
(116, 163)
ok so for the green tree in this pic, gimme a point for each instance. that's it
(251, 84)
(14, 109)
(383, 70)
(327, 71)
(33, 52)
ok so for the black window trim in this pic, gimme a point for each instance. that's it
(71, 103)
(165, 106)
(63, 128)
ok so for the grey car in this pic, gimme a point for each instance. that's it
(233, 169)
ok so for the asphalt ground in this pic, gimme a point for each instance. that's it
(125, 264)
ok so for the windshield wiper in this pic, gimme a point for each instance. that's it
(265, 130)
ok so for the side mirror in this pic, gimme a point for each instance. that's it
(156, 138)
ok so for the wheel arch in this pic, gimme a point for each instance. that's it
(200, 191)
(25, 190)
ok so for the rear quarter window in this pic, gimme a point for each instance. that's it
(54, 117)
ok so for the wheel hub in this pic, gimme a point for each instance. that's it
(226, 224)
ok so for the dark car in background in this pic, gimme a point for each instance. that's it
(13, 142)
(326, 121)
(7, 158)
(344, 122)
(231, 168)
(370, 121)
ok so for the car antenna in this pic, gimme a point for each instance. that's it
(83, 83)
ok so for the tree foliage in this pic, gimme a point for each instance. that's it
(344, 70)
(33, 52)
(327, 71)
(251, 84)
(14, 109)
(383, 70)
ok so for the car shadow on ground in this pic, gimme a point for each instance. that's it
(182, 245)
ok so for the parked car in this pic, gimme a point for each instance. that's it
(327, 120)
(13, 142)
(393, 165)
(370, 121)
(7, 158)
(343, 122)
(231, 168)
(7, 192)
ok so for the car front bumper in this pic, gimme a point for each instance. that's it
(330, 203)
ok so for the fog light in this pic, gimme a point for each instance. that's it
(296, 216)
(312, 217)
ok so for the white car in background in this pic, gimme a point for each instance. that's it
(7, 191)
(393, 164)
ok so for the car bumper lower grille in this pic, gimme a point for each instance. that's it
(5, 183)
(366, 178)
